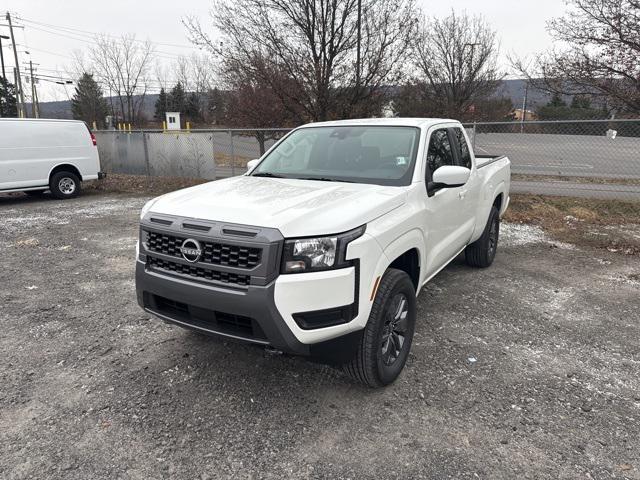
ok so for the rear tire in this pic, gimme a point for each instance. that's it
(386, 340)
(64, 185)
(480, 254)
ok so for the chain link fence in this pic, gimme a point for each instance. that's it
(209, 154)
(586, 158)
(590, 158)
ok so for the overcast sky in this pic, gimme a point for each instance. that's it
(520, 25)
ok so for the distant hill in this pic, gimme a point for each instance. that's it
(513, 89)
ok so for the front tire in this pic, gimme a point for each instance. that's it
(64, 185)
(386, 340)
(481, 253)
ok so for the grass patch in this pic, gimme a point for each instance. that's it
(524, 177)
(613, 225)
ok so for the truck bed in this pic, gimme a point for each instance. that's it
(484, 160)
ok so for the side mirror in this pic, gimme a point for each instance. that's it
(450, 176)
(251, 164)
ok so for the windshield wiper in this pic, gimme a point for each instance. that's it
(266, 174)
(326, 179)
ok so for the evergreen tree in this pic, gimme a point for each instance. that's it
(217, 102)
(87, 103)
(161, 105)
(556, 101)
(177, 99)
(580, 101)
(192, 107)
(8, 104)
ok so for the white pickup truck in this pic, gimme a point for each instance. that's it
(321, 248)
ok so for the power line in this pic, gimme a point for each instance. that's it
(93, 41)
(72, 30)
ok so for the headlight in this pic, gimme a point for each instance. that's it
(319, 253)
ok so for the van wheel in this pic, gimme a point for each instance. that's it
(482, 252)
(64, 185)
(387, 338)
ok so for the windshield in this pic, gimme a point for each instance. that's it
(359, 154)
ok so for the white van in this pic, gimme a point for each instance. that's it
(41, 154)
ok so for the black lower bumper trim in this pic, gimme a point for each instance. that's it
(255, 302)
(201, 328)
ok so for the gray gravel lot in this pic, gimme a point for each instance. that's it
(529, 369)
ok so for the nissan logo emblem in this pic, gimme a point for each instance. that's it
(191, 250)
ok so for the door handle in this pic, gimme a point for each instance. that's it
(462, 194)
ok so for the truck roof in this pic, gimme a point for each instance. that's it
(392, 121)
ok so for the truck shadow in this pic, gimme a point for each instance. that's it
(17, 199)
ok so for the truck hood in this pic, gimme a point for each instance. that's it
(295, 207)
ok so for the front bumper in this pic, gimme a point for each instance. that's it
(257, 314)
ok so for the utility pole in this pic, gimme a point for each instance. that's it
(37, 102)
(4, 74)
(3, 37)
(21, 112)
(34, 106)
(359, 26)
(524, 106)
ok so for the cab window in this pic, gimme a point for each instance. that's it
(439, 153)
(464, 154)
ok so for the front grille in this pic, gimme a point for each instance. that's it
(198, 272)
(213, 252)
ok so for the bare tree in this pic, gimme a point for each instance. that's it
(123, 66)
(196, 74)
(456, 63)
(314, 43)
(600, 57)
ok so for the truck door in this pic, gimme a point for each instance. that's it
(446, 216)
(470, 193)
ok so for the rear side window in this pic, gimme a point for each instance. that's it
(440, 152)
(463, 148)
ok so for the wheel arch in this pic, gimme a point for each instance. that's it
(496, 198)
(65, 167)
(406, 253)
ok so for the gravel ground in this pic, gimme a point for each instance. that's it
(529, 369)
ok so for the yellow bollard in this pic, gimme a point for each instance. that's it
(129, 128)
(164, 126)
(119, 126)
(188, 126)
(95, 126)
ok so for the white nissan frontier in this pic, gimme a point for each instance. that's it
(321, 248)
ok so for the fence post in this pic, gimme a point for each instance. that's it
(473, 140)
(233, 156)
(146, 153)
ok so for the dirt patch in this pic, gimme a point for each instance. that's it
(140, 184)
(612, 225)
(527, 369)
